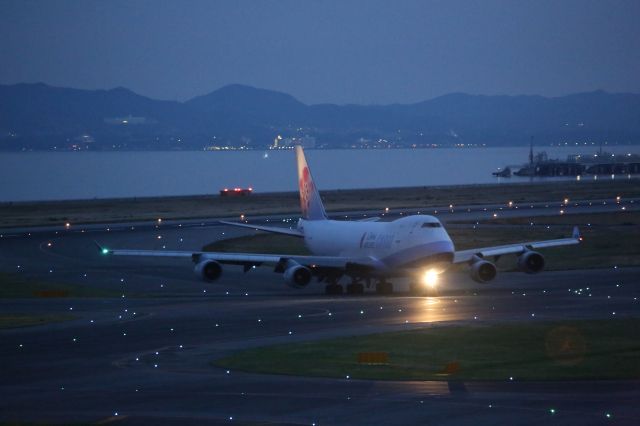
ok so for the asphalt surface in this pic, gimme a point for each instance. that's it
(146, 360)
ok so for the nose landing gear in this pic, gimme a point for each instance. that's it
(420, 290)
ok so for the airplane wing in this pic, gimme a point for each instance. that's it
(518, 248)
(275, 229)
(320, 262)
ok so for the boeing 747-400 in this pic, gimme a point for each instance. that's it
(367, 252)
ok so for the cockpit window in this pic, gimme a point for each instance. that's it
(431, 225)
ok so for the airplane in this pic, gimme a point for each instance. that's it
(366, 251)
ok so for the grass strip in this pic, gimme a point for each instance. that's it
(619, 218)
(567, 350)
(16, 286)
(23, 320)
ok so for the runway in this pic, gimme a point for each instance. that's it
(144, 356)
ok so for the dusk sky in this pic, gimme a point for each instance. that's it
(366, 52)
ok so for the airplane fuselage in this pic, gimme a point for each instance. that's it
(413, 241)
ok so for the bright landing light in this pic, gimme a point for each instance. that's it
(430, 278)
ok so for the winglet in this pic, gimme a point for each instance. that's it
(576, 234)
(103, 250)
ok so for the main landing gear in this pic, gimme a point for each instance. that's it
(356, 287)
(333, 288)
(384, 287)
(352, 288)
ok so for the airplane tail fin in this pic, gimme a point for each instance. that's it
(310, 202)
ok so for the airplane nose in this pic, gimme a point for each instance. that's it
(446, 246)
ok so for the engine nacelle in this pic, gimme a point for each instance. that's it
(208, 270)
(483, 271)
(531, 262)
(297, 276)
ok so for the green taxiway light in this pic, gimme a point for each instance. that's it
(105, 251)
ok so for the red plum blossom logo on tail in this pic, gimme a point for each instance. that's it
(306, 191)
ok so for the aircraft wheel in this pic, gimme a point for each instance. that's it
(355, 288)
(384, 287)
(333, 289)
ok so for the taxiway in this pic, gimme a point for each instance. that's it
(146, 359)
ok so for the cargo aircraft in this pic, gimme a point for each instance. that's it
(367, 251)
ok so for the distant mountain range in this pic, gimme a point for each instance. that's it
(38, 116)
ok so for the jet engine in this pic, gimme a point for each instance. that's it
(297, 276)
(208, 270)
(531, 262)
(483, 271)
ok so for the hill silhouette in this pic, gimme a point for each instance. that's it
(38, 116)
